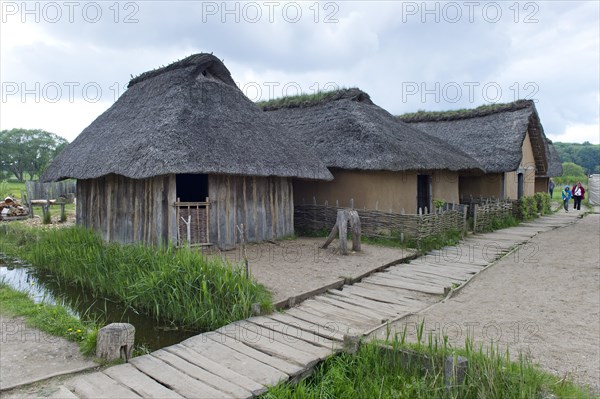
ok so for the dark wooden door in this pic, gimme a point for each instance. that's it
(424, 192)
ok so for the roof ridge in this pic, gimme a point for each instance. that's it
(453, 115)
(199, 59)
(311, 100)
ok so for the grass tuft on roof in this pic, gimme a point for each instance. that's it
(309, 100)
(483, 110)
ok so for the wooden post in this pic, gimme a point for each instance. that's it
(341, 229)
(475, 218)
(207, 221)
(189, 230)
(63, 216)
(244, 254)
(355, 228)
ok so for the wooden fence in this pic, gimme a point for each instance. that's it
(486, 212)
(38, 190)
(193, 223)
(311, 218)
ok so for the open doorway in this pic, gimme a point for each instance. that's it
(424, 192)
(520, 185)
(192, 188)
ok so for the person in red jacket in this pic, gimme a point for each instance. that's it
(578, 194)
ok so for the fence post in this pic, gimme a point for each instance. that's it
(475, 218)
(465, 225)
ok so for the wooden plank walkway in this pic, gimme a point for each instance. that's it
(242, 359)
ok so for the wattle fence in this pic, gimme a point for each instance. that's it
(374, 223)
(484, 211)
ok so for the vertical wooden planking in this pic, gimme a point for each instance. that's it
(171, 198)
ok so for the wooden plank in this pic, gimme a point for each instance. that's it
(202, 375)
(368, 303)
(440, 271)
(377, 315)
(174, 379)
(250, 334)
(236, 361)
(322, 320)
(382, 296)
(139, 382)
(397, 277)
(295, 333)
(339, 314)
(425, 277)
(309, 328)
(215, 368)
(406, 285)
(408, 297)
(289, 368)
(272, 332)
(62, 393)
(465, 268)
(99, 385)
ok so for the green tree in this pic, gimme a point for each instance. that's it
(572, 169)
(25, 151)
(588, 156)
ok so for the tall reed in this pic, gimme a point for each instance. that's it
(178, 286)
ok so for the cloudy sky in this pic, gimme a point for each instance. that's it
(64, 63)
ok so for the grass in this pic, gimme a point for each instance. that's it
(426, 244)
(303, 99)
(176, 286)
(377, 373)
(10, 188)
(52, 319)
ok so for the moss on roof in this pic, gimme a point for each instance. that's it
(484, 110)
(310, 100)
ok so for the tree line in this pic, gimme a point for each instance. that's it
(26, 153)
(586, 155)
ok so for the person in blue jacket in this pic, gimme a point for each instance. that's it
(566, 197)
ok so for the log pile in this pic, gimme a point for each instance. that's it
(10, 208)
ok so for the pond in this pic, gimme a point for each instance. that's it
(45, 287)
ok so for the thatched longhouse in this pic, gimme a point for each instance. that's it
(507, 140)
(179, 135)
(377, 161)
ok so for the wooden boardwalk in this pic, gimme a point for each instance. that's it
(242, 359)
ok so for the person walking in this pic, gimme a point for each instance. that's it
(551, 187)
(578, 193)
(566, 197)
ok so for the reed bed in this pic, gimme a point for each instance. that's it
(397, 369)
(178, 286)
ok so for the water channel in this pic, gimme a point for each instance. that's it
(45, 287)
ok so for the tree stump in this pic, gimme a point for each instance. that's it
(115, 341)
(341, 229)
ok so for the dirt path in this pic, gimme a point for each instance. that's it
(27, 354)
(546, 305)
(291, 268)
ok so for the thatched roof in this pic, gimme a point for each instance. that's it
(348, 131)
(493, 135)
(188, 117)
(554, 162)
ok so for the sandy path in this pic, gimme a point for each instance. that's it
(27, 354)
(546, 305)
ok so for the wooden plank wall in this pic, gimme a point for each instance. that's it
(129, 210)
(265, 205)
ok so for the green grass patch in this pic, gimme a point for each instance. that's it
(180, 287)
(377, 373)
(11, 188)
(52, 319)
